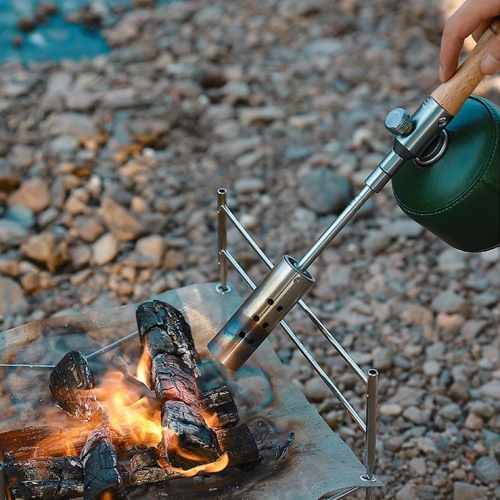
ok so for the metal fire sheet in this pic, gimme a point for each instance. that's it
(302, 458)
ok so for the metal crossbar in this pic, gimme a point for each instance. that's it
(370, 378)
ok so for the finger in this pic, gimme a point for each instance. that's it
(471, 16)
(490, 63)
(479, 31)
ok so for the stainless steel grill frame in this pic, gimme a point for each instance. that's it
(370, 378)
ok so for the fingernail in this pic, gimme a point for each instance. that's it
(490, 65)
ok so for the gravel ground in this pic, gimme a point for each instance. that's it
(108, 176)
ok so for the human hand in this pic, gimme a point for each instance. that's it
(472, 18)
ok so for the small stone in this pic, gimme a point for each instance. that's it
(376, 242)
(417, 464)
(303, 121)
(11, 232)
(491, 389)
(487, 470)
(120, 222)
(105, 249)
(12, 298)
(466, 491)
(474, 422)
(451, 260)
(80, 100)
(482, 408)
(259, 116)
(391, 409)
(152, 248)
(449, 302)
(20, 214)
(246, 185)
(40, 247)
(21, 156)
(432, 368)
(323, 47)
(406, 228)
(73, 124)
(452, 321)
(316, 390)
(324, 191)
(417, 315)
(472, 328)
(382, 358)
(417, 416)
(34, 194)
(451, 411)
(407, 492)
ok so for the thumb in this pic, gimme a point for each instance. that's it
(490, 63)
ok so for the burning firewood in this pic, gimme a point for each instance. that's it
(239, 444)
(220, 402)
(166, 337)
(44, 478)
(145, 469)
(101, 475)
(163, 330)
(71, 383)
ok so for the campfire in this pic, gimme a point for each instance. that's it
(132, 429)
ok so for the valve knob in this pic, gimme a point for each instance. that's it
(398, 121)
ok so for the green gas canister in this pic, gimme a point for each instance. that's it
(454, 192)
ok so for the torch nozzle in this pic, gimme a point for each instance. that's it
(256, 318)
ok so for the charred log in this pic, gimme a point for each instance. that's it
(28, 442)
(71, 383)
(163, 330)
(220, 402)
(239, 444)
(166, 337)
(173, 380)
(187, 440)
(145, 469)
(44, 478)
(101, 474)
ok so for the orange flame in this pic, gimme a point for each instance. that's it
(220, 464)
(143, 368)
(132, 415)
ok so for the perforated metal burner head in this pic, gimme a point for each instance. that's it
(269, 303)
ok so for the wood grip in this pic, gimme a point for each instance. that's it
(452, 94)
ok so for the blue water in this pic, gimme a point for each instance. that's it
(57, 39)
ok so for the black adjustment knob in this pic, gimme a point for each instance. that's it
(398, 121)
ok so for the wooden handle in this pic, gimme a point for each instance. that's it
(452, 94)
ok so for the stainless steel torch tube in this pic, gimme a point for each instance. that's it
(334, 229)
(255, 319)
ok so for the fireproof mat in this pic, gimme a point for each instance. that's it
(302, 458)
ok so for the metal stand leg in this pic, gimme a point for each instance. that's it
(371, 428)
(222, 239)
